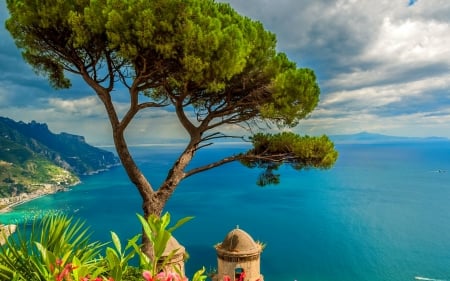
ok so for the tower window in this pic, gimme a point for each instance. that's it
(239, 274)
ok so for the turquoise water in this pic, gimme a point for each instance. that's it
(382, 213)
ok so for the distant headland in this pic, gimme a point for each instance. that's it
(36, 162)
(371, 138)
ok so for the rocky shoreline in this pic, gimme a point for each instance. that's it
(5, 231)
(7, 204)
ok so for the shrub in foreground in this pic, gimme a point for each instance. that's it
(58, 248)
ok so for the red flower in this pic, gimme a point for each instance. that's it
(168, 276)
(242, 276)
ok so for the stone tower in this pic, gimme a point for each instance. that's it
(177, 259)
(238, 258)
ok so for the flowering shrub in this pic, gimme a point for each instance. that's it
(54, 248)
(60, 271)
(63, 272)
(58, 249)
(94, 279)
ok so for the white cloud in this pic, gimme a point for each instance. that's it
(87, 106)
(417, 124)
(368, 97)
(411, 42)
(383, 66)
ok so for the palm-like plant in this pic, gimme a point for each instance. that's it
(52, 243)
(58, 248)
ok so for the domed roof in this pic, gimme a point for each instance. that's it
(173, 244)
(238, 242)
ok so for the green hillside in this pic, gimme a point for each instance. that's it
(33, 158)
(23, 171)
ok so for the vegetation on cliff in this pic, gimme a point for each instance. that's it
(33, 159)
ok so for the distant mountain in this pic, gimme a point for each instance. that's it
(32, 156)
(365, 137)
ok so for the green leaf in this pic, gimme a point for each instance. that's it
(179, 223)
(116, 242)
(200, 275)
(114, 263)
(146, 226)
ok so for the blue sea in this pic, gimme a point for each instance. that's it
(381, 213)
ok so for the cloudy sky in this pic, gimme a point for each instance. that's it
(383, 67)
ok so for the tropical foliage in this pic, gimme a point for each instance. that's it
(51, 244)
(58, 248)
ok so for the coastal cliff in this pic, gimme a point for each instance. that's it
(35, 162)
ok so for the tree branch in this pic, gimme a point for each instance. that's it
(181, 114)
(212, 165)
(219, 135)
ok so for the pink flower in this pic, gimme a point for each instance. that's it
(147, 275)
(163, 276)
(88, 278)
(226, 278)
(169, 276)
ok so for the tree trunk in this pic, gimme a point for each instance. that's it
(153, 202)
(150, 202)
(156, 202)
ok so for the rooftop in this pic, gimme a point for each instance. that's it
(238, 242)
